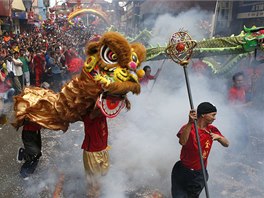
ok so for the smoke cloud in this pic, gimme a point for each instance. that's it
(145, 146)
(143, 140)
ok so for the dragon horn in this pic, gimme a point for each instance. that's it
(252, 29)
(247, 29)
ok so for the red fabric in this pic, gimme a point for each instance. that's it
(190, 157)
(96, 134)
(70, 54)
(38, 72)
(3, 85)
(3, 52)
(31, 127)
(6, 38)
(237, 95)
(39, 61)
(5, 8)
(199, 66)
(145, 79)
(75, 65)
(258, 71)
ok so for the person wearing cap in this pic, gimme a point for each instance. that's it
(187, 175)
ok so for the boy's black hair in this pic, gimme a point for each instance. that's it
(146, 67)
(237, 74)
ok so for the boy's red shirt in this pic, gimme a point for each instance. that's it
(237, 95)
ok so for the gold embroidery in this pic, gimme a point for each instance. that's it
(205, 153)
(207, 144)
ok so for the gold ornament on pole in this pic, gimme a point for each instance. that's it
(180, 47)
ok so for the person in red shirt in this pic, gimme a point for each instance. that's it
(187, 176)
(237, 93)
(39, 66)
(145, 80)
(95, 150)
(240, 98)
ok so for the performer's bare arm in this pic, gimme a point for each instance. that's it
(187, 129)
(222, 140)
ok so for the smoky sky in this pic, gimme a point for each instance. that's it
(189, 21)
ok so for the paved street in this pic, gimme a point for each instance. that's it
(53, 162)
(238, 174)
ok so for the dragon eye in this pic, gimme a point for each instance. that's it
(134, 57)
(108, 56)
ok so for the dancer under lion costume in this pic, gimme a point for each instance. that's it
(110, 71)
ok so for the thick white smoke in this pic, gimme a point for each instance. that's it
(144, 142)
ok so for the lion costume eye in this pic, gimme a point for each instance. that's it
(134, 57)
(108, 56)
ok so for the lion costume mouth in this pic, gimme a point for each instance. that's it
(110, 105)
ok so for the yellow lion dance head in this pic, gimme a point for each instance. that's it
(114, 63)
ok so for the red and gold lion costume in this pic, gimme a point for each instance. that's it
(112, 67)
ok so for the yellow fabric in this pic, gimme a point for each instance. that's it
(4, 67)
(18, 5)
(96, 163)
(16, 49)
(56, 110)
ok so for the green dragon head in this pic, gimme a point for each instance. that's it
(254, 38)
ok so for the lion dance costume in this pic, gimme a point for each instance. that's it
(110, 71)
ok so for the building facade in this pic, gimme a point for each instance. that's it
(10, 10)
(232, 16)
(229, 16)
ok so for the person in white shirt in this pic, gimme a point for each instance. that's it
(14, 68)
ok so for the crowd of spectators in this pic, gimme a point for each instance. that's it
(29, 59)
(39, 58)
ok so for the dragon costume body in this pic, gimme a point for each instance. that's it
(110, 71)
(235, 47)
